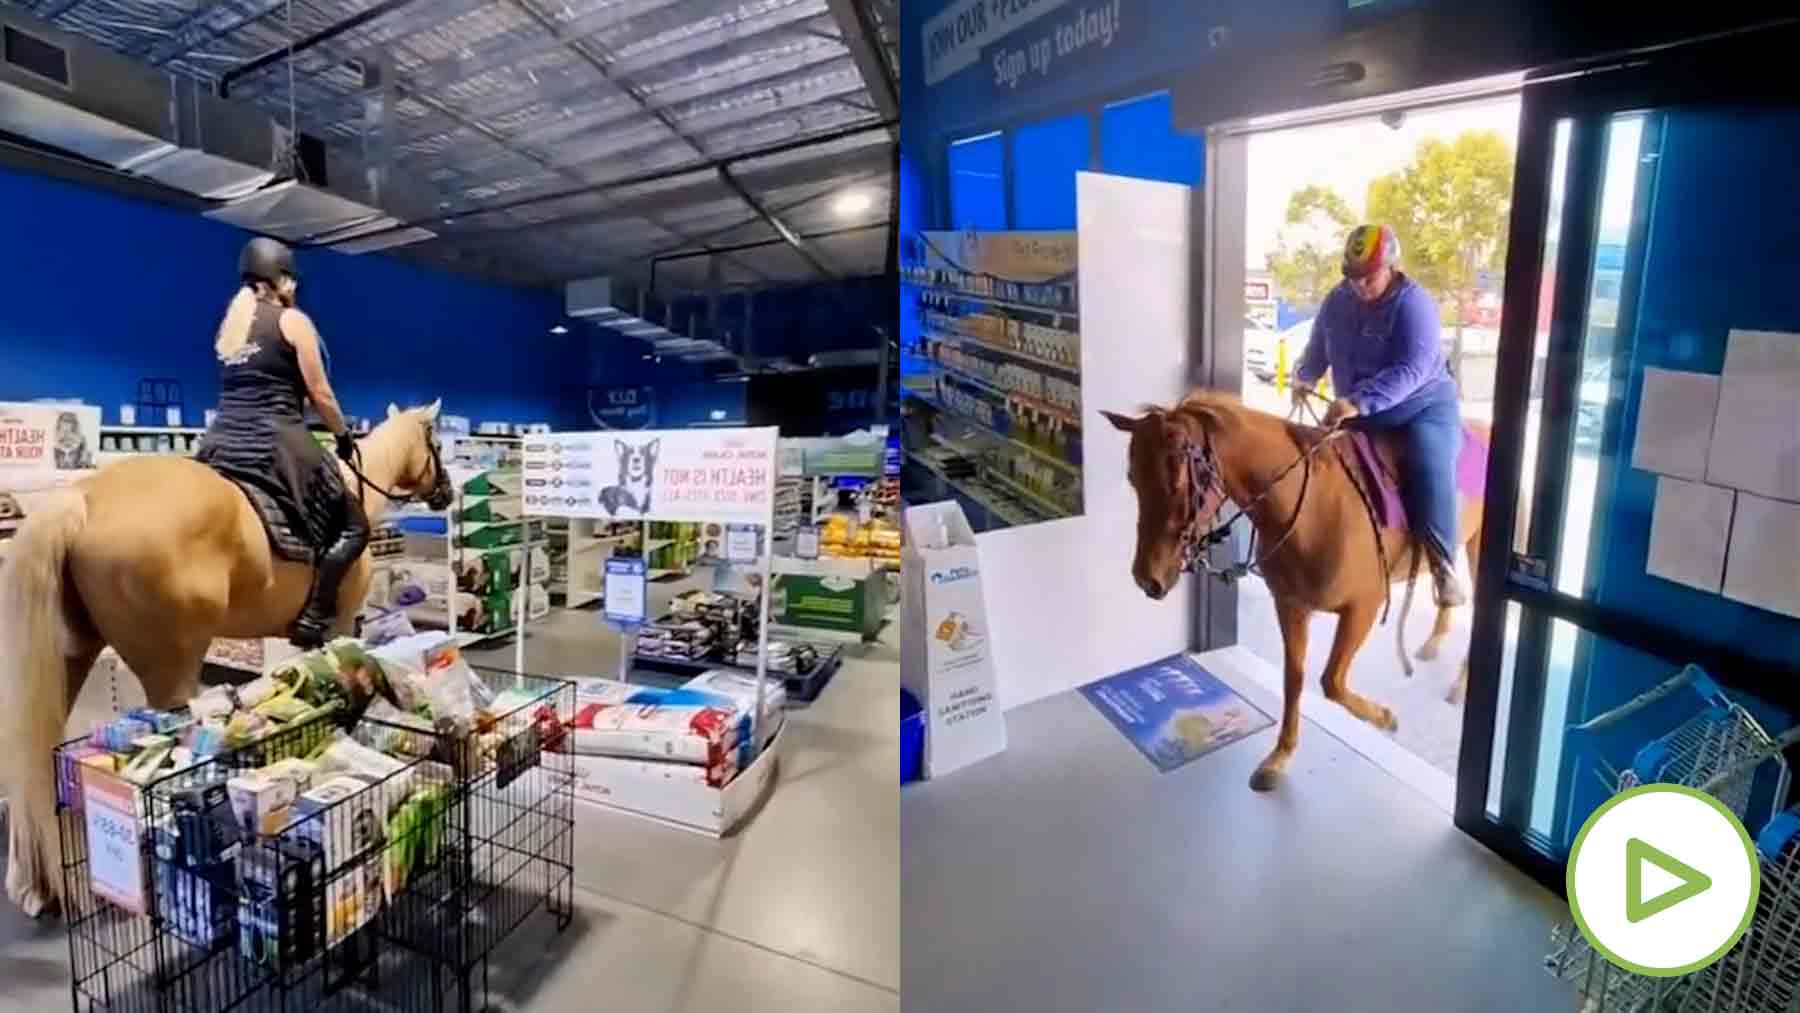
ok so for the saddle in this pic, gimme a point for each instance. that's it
(1373, 455)
(286, 539)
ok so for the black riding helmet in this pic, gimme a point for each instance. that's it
(266, 259)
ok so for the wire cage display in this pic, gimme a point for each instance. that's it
(1720, 749)
(382, 886)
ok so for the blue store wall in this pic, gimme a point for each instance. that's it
(103, 291)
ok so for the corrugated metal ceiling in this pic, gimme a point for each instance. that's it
(529, 117)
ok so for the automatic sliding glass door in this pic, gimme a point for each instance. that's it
(1629, 530)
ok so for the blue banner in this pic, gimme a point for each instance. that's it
(1061, 43)
(1174, 711)
(623, 407)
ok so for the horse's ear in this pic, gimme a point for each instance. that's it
(431, 413)
(393, 410)
(1122, 423)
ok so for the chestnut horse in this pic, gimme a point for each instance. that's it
(1319, 553)
(156, 557)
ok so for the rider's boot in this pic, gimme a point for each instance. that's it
(317, 621)
(1451, 592)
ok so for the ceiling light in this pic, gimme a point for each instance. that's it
(559, 329)
(851, 203)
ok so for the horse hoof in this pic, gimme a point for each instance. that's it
(1388, 722)
(1429, 652)
(1454, 697)
(1264, 779)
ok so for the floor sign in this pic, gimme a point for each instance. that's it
(1174, 711)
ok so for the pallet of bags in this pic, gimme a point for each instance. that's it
(678, 756)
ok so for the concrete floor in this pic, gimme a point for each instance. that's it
(800, 910)
(1066, 874)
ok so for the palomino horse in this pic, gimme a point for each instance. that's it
(1322, 554)
(156, 557)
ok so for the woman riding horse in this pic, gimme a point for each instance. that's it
(271, 365)
(1378, 333)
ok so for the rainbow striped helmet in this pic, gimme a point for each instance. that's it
(1370, 248)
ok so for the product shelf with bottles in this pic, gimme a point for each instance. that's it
(994, 417)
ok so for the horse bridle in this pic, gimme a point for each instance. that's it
(440, 479)
(1204, 480)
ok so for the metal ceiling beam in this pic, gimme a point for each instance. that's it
(760, 243)
(793, 238)
(626, 158)
(298, 46)
(863, 43)
(57, 10)
(191, 32)
(640, 179)
(667, 200)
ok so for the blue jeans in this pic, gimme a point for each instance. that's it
(1431, 435)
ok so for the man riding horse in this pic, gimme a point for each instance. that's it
(271, 365)
(1377, 332)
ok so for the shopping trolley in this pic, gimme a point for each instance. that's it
(1721, 749)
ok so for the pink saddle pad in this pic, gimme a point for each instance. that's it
(1390, 509)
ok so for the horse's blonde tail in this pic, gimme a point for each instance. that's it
(1412, 584)
(34, 694)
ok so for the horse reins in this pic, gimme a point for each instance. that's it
(1204, 478)
(1306, 405)
(365, 483)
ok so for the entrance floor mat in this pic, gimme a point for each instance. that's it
(1174, 711)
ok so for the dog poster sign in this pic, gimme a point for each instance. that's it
(694, 475)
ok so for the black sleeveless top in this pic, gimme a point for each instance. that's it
(259, 440)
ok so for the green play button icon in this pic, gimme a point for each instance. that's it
(1691, 881)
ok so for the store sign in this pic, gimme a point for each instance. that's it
(693, 475)
(626, 591)
(39, 440)
(623, 407)
(1015, 256)
(115, 839)
(955, 37)
(1020, 44)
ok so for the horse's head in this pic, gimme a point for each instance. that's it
(1174, 472)
(420, 469)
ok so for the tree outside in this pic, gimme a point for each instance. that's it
(1308, 257)
(1450, 209)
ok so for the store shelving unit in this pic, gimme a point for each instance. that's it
(119, 442)
(579, 549)
(996, 413)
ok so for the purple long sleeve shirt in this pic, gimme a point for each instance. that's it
(1380, 354)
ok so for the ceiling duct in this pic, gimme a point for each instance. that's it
(68, 93)
(591, 299)
(64, 92)
(348, 208)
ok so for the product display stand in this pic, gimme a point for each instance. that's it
(712, 476)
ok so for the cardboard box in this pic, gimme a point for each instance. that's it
(673, 797)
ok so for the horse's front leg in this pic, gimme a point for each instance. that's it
(1353, 626)
(1293, 618)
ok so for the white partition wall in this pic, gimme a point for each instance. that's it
(1060, 598)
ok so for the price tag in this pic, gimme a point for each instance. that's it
(806, 543)
(741, 543)
(115, 839)
(626, 590)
